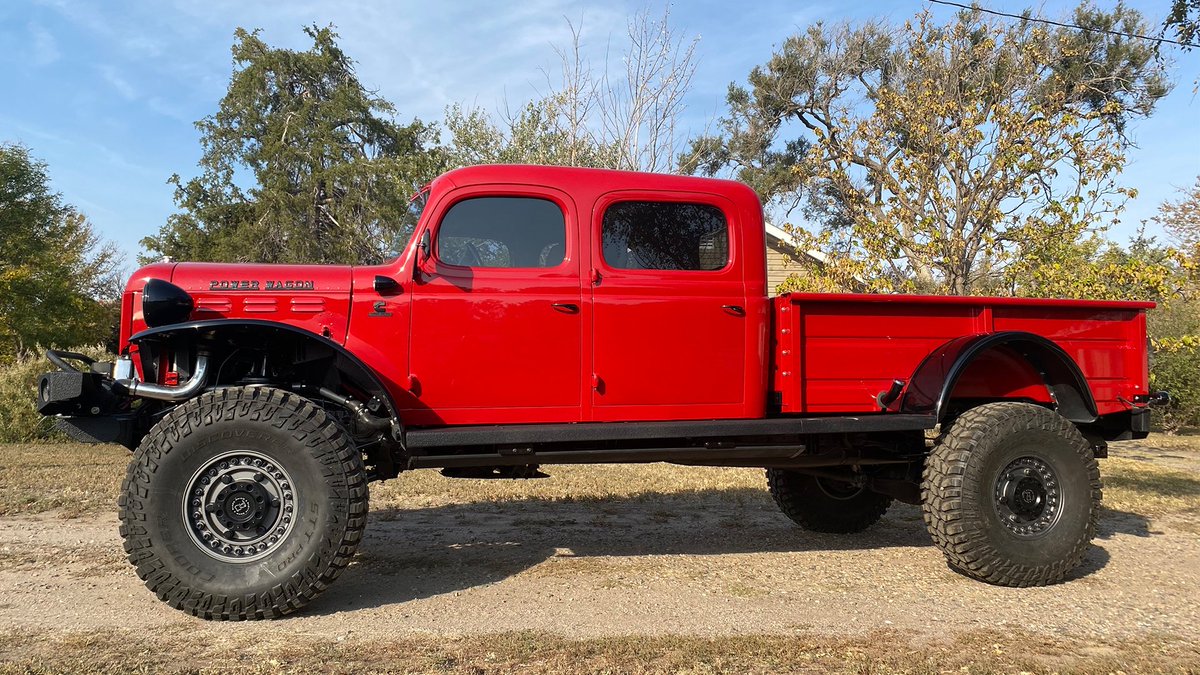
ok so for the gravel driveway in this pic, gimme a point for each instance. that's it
(708, 562)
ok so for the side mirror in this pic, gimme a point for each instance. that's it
(424, 250)
(424, 246)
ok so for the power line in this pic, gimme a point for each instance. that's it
(1117, 33)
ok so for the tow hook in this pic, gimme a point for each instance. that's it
(1155, 399)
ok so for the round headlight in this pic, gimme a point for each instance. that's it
(164, 303)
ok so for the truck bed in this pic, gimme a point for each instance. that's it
(836, 353)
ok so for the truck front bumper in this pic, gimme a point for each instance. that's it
(90, 406)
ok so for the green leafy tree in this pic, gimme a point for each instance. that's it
(1181, 218)
(59, 282)
(936, 156)
(1095, 268)
(331, 169)
(1184, 21)
(1175, 326)
(1144, 270)
(536, 134)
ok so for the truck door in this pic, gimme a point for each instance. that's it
(497, 315)
(669, 308)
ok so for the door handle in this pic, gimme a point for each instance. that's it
(566, 307)
(734, 309)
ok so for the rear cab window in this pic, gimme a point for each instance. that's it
(665, 236)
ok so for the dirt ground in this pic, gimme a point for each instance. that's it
(643, 552)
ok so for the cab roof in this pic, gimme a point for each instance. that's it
(574, 179)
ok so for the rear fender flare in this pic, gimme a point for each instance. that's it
(931, 386)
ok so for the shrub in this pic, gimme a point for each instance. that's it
(19, 419)
(1175, 362)
(1176, 370)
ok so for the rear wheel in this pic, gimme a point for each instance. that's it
(1011, 493)
(823, 504)
(243, 504)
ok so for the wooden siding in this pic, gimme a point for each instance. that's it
(779, 264)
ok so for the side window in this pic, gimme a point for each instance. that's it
(665, 236)
(503, 232)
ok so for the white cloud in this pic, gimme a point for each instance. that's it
(116, 81)
(168, 108)
(44, 49)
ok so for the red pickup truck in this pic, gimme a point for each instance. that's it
(551, 315)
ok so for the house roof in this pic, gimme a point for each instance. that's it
(779, 235)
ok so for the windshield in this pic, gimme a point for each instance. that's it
(416, 206)
(416, 203)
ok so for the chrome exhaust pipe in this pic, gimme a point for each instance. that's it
(164, 393)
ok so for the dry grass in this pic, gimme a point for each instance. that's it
(75, 480)
(649, 482)
(1149, 490)
(1188, 441)
(69, 478)
(882, 652)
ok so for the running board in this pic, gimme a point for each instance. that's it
(524, 456)
(419, 441)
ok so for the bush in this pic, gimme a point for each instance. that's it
(1175, 362)
(19, 419)
(1176, 370)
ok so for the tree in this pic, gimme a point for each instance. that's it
(332, 170)
(1095, 268)
(537, 134)
(628, 119)
(1181, 218)
(936, 156)
(1184, 20)
(59, 282)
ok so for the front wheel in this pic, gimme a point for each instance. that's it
(1011, 493)
(243, 503)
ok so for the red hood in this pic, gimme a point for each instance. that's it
(246, 279)
(313, 297)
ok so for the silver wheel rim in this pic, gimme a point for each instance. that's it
(239, 506)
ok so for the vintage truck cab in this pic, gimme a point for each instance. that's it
(544, 315)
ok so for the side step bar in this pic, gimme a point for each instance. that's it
(421, 441)
(522, 456)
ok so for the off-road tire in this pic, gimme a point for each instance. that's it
(329, 498)
(821, 505)
(961, 501)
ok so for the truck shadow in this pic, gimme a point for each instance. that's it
(414, 553)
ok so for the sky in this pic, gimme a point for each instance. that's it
(107, 93)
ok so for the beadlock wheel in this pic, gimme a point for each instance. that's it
(240, 506)
(243, 503)
(1028, 497)
(1011, 493)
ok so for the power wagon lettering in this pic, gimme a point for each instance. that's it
(269, 285)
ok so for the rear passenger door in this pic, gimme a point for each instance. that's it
(669, 318)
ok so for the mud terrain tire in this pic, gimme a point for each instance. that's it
(243, 503)
(1011, 493)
